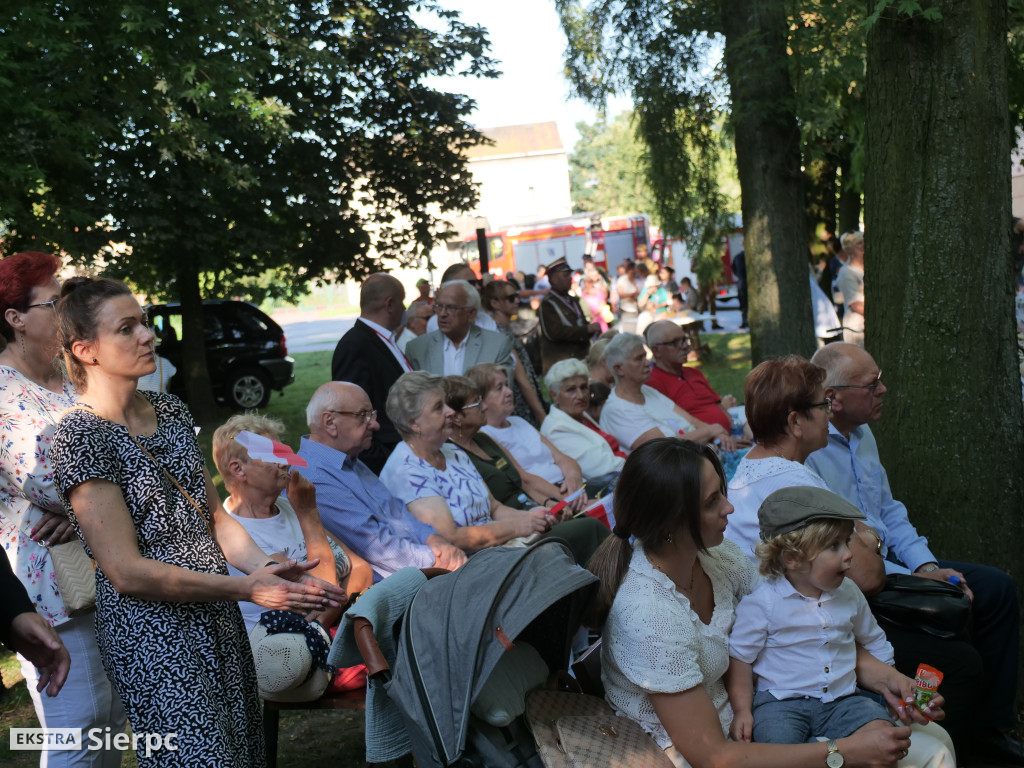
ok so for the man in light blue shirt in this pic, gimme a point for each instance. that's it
(980, 680)
(354, 504)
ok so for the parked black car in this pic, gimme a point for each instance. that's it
(246, 352)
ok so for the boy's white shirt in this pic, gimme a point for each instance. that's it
(803, 646)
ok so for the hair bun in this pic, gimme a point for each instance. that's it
(73, 283)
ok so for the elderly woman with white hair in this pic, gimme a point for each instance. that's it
(442, 487)
(636, 413)
(438, 482)
(566, 426)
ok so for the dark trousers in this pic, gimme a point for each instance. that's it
(979, 677)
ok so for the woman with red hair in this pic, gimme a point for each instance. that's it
(34, 392)
(788, 413)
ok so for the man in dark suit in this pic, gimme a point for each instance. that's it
(458, 344)
(368, 356)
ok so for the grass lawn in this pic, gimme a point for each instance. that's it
(331, 738)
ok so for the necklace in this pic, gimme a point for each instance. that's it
(693, 575)
(436, 460)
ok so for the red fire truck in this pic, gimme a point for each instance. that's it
(608, 241)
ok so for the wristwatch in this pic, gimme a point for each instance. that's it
(928, 568)
(834, 758)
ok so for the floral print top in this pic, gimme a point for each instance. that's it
(28, 416)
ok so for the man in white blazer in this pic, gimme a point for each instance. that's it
(457, 345)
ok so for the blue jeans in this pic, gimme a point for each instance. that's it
(794, 721)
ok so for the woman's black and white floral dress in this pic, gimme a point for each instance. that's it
(181, 668)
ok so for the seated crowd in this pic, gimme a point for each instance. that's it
(451, 434)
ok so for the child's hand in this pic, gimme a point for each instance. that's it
(742, 727)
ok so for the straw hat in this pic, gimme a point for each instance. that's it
(285, 670)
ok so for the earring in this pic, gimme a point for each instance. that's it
(24, 352)
(668, 537)
(95, 361)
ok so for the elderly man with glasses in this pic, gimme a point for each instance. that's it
(980, 675)
(686, 387)
(354, 504)
(458, 344)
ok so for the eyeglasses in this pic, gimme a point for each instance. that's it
(826, 404)
(872, 387)
(52, 304)
(512, 296)
(467, 406)
(682, 341)
(365, 416)
(449, 309)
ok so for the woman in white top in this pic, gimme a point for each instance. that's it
(672, 594)
(568, 384)
(788, 414)
(288, 527)
(636, 413)
(534, 452)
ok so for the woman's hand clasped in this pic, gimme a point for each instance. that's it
(53, 529)
(288, 586)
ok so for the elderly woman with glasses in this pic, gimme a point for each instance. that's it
(34, 392)
(520, 439)
(437, 481)
(636, 413)
(568, 427)
(289, 526)
(788, 413)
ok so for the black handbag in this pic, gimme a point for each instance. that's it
(923, 605)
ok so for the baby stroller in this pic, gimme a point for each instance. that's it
(511, 610)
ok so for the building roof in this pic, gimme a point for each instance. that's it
(518, 141)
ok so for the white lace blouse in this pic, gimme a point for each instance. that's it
(654, 642)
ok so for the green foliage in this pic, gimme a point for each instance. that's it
(606, 169)
(652, 51)
(234, 139)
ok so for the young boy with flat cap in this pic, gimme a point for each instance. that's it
(798, 630)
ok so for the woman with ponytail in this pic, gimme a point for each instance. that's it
(671, 583)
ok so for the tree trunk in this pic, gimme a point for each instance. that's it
(193, 344)
(768, 161)
(939, 302)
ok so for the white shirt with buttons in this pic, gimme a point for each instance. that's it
(801, 646)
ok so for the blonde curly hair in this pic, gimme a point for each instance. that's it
(806, 543)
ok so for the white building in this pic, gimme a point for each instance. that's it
(523, 175)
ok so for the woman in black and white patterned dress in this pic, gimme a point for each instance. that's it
(169, 628)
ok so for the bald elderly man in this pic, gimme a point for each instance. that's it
(354, 504)
(686, 387)
(980, 682)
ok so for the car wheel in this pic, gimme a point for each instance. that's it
(248, 389)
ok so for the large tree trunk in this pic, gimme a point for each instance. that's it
(939, 302)
(193, 344)
(768, 161)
